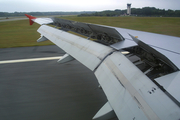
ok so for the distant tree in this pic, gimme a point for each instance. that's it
(145, 11)
(177, 13)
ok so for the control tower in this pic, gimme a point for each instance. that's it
(128, 9)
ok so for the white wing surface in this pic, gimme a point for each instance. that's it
(139, 75)
(40, 21)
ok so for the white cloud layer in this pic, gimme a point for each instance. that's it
(82, 5)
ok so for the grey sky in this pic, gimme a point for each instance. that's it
(82, 5)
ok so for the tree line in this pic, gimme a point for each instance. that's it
(145, 11)
(6, 14)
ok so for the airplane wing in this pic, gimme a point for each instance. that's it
(40, 21)
(138, 71)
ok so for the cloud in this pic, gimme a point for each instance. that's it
(82, 5)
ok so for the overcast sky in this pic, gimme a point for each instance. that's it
(82, 5)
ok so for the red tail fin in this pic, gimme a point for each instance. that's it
(30, 19)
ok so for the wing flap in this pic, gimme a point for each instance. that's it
(85, 51)
(131, 93)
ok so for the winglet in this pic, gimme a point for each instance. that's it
(30, 19)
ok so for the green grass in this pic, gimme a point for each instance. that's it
(20, 33)
(160, 25)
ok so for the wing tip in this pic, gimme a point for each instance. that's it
(30, 18)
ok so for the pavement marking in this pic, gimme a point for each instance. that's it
(29, 60)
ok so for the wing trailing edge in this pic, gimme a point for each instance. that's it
(130, 81)
(85, 51)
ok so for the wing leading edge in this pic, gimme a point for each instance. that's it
(133, 82)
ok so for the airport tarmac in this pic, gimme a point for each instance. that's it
(3, 19)
(46, 90)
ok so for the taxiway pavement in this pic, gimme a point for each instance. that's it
(46, 90)
(12, 19)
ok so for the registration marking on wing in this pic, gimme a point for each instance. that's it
(29, 60)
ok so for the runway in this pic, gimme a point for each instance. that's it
(46, 90)
(3, 19)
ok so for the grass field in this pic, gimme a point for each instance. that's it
(161, 25)
(20, 33)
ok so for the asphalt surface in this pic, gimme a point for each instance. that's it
(11, 19)
(46, 90)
